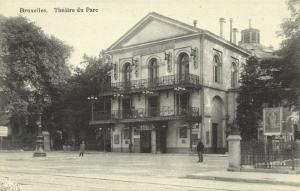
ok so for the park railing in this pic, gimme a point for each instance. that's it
(11, 144)
(270, 155)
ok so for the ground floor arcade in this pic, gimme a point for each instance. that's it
(173, 136)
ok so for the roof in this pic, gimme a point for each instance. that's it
(191, 30)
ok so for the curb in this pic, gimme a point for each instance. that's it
(228, 179)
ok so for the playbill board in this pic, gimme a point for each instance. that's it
(273, 121)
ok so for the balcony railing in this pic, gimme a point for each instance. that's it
(151, 112)
(154, 83)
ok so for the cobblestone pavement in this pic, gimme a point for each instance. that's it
(117, 171)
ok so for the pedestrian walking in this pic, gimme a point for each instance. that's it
(200, 149)
(81, 149)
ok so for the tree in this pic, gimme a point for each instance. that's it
(290, 51)
(260, 86)
(29, 60)
(271, 82)
(30, 57)
(73, 112)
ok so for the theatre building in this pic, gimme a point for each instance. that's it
(171, 85)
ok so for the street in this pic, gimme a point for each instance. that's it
(117, 171)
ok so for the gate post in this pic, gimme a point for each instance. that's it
(234, 150)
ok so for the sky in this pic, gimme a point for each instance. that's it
(91, 32)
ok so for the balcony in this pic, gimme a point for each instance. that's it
(144, 115)
(156, 84)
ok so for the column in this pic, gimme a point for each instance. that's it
(153, 141)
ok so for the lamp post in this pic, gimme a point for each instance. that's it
(92, 99)
(37, 102)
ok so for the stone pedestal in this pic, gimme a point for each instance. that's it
(234, 150)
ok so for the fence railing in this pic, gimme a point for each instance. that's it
(163, 81)
(270, 155)
(135, 113)
(9, 144)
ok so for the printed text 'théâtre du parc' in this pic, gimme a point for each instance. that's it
(60, 10)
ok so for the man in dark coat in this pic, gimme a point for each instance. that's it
(200, 149)
(81, 149)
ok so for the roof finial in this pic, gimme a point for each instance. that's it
(195, 23)
(249, 23)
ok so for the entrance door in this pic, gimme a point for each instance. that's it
(107, 142)
(153, 102)
(145, 141)
(161, 140)
(214, 137)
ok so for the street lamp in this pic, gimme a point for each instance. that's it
(37, 103)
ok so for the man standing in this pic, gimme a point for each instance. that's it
(200, 148)
(81, 149)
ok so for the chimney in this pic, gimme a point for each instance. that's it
(230, 20)
(222, 21)
(195, 23)
(249, 23)
(234, 31)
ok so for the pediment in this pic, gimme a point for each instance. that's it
(153, 27)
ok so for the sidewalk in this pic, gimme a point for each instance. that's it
(249, 177)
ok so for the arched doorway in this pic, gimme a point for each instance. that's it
(183, 66)
(217, 124)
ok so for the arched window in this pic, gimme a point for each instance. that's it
(183, 64)
(217, 69)
(234, 75)
(127, 74)
(153, 70)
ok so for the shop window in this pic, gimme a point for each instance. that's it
(116, 139)
(182, 132)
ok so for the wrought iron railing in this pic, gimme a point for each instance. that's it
(270, 155)
(154, 83)
(135, 113)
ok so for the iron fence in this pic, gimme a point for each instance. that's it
(11, 144)
(163, 81)
(278, 154)
(135, 113)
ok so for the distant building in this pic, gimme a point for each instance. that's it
(250, 40)
(171, 85)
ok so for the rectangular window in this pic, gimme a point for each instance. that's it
(215, 74)
(116, 139)
(182, 132)
(126, 134)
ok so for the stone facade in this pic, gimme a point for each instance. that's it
(172, 84)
